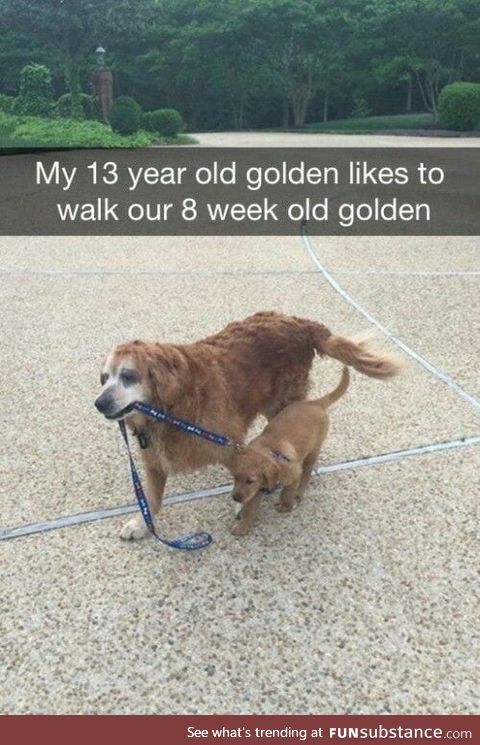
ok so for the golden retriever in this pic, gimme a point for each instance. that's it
(255, 366)
(284, 454)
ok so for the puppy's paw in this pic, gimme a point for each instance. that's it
(238, 511)
(134, 530)
(281, 507)
(239, 529)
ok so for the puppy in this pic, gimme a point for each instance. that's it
(284, 454)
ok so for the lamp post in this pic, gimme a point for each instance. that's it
(100, 55)
(103, 83)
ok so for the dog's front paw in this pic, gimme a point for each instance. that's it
(238, 511)
(239, 529)
(281, 507)
(134, 530)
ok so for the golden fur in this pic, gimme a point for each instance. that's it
(284, 454)
(255, 366)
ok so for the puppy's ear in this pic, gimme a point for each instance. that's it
(270, 475)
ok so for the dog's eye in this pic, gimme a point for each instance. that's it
(103, 378)
(250, 481)
(130, 377)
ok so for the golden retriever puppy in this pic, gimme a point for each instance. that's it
(284, 454)
(255, 366)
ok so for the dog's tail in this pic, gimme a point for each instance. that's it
(338, 392)
(373, 363)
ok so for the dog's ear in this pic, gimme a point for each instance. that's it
(270, 475)
(166, 377)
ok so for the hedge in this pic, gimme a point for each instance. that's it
(459, 106)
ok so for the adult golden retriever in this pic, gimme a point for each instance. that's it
(255, 366)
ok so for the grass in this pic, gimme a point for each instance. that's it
(33, 132)
(374, 123)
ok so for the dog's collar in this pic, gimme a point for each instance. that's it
(278, 455)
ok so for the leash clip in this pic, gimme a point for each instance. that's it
(142, 439)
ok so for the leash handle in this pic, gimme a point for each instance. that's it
(189, 542)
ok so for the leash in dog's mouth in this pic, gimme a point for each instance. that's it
(120, 414)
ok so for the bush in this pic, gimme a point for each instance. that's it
(361, 108)
(147, 122)
(36, 96)
(125, 116)
(30, 131)
(166, 122)
(459, 106)
(6, 103)
(89, 105)
(37, 132)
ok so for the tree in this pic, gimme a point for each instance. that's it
(250, 62)
(35, 96)
(427, 39)
(75, 27)
(305, 43)
(17, 50)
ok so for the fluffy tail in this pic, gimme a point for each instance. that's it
(338, 392)
(373, 363)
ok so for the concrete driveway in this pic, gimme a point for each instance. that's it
(317, 139)
(362, 601)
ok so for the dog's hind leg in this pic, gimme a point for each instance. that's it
(287, 497)
(135, 528)
(307, 469)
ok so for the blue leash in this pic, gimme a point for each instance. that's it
(192, 541)
(188, 427)
(189, 542)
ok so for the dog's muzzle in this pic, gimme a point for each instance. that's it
(106, 406)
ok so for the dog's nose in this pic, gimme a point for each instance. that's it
(103, 403)
(236, 497)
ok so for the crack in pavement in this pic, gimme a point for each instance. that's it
(370, 460)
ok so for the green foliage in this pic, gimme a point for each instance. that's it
(249, 63)
(147, 123)
(19, 49)
(373, 124)
(88, 103)
(72, 77)
(167, 122)
(459, 106)
(38, 132)
(74, 26)
(36, 96)
(6, 103)
(125, 116)
(361, 108)
(70, 30)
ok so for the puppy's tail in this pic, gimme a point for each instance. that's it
(373, 363)
(338, 392)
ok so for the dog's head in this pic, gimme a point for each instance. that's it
(138, 371)
(252, 471)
